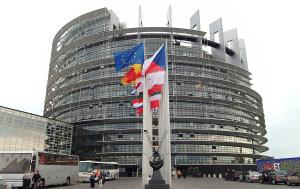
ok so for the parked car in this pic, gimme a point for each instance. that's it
(229, 175)
(293, 179)
(251, 176)
(2, 183)
(273, 176)
(233, 175)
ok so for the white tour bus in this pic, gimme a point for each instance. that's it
(87, 167)
(54, 169)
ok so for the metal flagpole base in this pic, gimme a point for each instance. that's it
(157, 181)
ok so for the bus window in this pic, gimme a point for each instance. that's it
(98, 166)
(14, 162)
(115, 166)
(56, 159)
(33, 163)
(86, 167)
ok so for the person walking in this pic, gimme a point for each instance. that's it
(183, 173)
(173, 174)
(36, 179)
(27, 180)
(103, 175)
(92, 179)
(99, 178)
(178, 174)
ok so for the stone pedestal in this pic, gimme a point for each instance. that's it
(157, 181)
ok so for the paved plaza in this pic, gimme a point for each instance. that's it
(188, 183)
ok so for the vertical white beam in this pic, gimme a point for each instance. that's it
(195, 21)
(216, 34)
(164, 128)
(140, 24)
(169, 17)
(244, 60)
(232, 42)
(147, 135)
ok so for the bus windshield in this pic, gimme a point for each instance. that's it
(85, 167)
(14, 162)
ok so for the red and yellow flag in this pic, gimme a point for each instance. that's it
(132, 75)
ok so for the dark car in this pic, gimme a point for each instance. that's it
(229, 175)
(232, 175)
(273, 176)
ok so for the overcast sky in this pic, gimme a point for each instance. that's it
(270, 29)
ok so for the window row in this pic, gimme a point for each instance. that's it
(83, 29)
(211, 148)
(177, 160)
(114, 89)
(104, 49)
(174, 125)
(211, 137)
(117, 110)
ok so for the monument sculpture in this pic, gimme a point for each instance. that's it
(156, 182)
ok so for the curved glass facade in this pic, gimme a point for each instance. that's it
(216, 118)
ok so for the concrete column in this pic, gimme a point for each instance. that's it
(216, 35)
(140, 24)
(169, 17)
(243, 54)
(232, 42)
(147, 137)
(195, 21)
(164, 129)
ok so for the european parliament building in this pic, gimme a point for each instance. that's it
(217, 120)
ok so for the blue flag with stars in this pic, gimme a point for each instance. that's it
(134, 55)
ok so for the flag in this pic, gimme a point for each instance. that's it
(156, 89)
(139, 111)
(155, 101)
(138, 87)
(132, 75)
(138, 104)
(134, 55)
(155, 96)
(156, 63)
(155, 78)
(154, 71)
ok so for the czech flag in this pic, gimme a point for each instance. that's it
(156, 63)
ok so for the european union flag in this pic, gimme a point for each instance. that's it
(134, 55)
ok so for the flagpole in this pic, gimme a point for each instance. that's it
(146, 131)
(164, 126)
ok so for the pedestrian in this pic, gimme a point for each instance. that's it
(178, 174)
(173, 174)
(27, 180)
(36, 179)
(183, 173)
(92, 179)
(98, 177)
(103, 175)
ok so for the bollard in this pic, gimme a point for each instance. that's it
(204, 175)
(208, 175)
(220, 175)
(214, 175)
